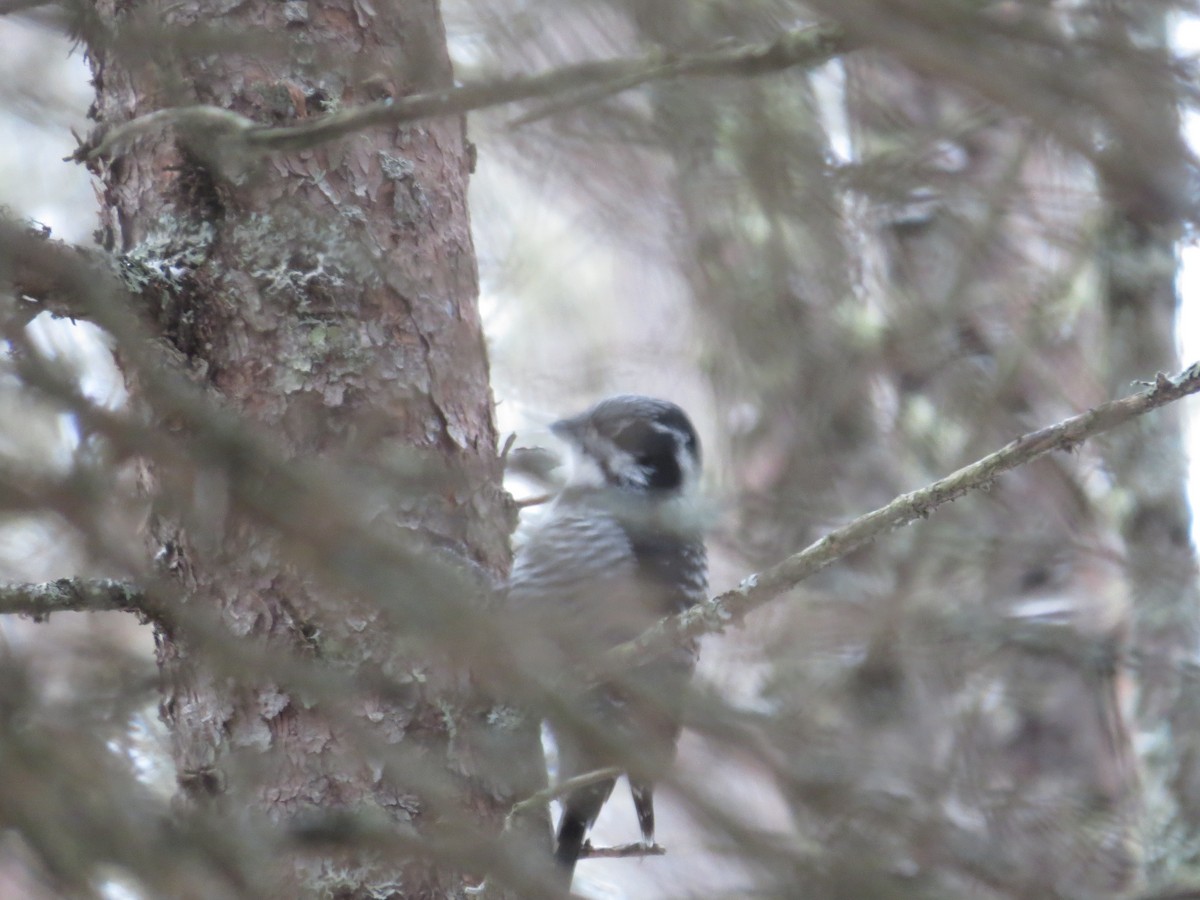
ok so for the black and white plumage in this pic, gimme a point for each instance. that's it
(618, 549)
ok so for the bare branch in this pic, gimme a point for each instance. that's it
(622, 851)
(757, 590)
(809, 47)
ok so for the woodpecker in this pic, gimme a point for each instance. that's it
(620, 547)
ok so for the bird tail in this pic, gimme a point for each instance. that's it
(580, 810)
(571, 831)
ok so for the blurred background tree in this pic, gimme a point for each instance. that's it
(861, 257)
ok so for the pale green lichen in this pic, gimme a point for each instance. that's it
(365, 880)
(410, 203)
(166, 257)
(449, 714)
(287, 252)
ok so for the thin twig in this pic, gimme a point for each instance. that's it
(757, 590)
(808, 47)
(554, 791)
(621, 851)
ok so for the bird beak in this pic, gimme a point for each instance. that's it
(566, 429)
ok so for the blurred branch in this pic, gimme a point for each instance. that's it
(459, 835)
(810, 46)
(52, 274)
(759, 589)
(271, 489)
(8, 7)
(1102, 95)
(73, 595)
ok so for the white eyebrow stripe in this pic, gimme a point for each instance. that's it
(682, 438)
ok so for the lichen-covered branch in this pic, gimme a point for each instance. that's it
(759, 589)
(73, 595)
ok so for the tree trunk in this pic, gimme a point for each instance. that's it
(328, 296)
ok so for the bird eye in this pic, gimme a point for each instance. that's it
(654, 451)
